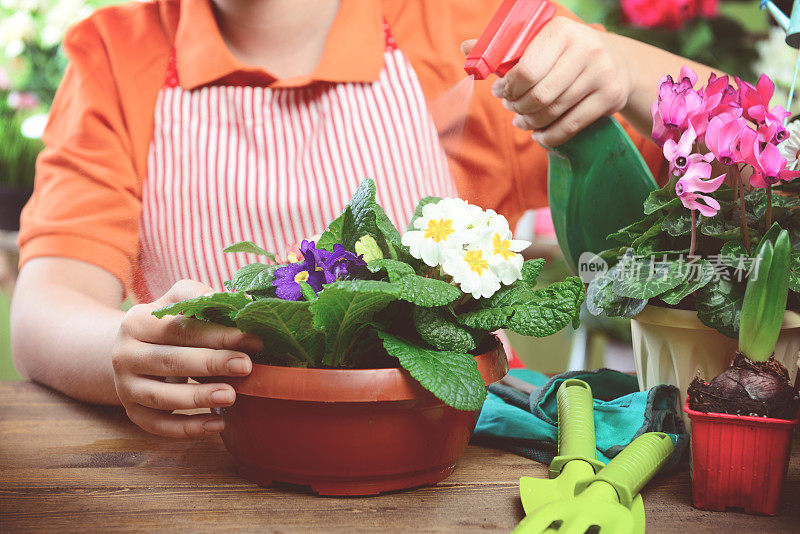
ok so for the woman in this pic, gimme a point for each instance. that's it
(182, 126)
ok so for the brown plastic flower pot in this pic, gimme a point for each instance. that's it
(347, 432)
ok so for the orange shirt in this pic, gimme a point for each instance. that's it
(88, 195)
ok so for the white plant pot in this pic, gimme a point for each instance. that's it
(671, 346)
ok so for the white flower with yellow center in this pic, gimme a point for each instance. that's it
(502, 251)
(470, 270)
(441, 228)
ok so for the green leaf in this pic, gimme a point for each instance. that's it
(780, 205)
(545, 312)
(437, 328)
(451, 376)
(601, 298)
(364, 219)
(250, 248)
(345, 307)
(652, 232)
(217, 308)
(531, 270)
(732, 254)
(418, 211)
(286, 328)
(794, 273)
(699, 274)
(719, 306)
(427, 292)
(520, 292)
(677, 224)
(394, 269)
(334, 233)
(629, 233)
(254, 277)
(643, 278)
(308, 292)
(662, 199)
(718, 227)
(395, 248)
(765, 298)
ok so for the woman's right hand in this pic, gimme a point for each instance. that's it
(153, 359)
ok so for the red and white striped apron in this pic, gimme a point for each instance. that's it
(274, 166)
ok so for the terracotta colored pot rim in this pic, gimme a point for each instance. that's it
(350, 385)
(659, 315)
(738, 419)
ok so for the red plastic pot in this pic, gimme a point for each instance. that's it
(739, 461)
(347, 432)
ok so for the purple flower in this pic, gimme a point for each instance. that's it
(317, 268)
(342, 263)
(311, 270)
(287, 280)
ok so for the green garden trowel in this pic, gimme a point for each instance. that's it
(577, 457)
(602, 503)
(597, 182)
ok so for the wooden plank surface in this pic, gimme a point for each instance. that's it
(66, 466)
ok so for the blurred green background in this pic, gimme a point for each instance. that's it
(733, 36)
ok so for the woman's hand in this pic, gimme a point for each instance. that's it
(569, 76)
(152, 359)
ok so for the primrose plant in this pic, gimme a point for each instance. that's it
(694, 246)
(365, 296)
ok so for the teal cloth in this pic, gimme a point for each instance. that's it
(527, 424)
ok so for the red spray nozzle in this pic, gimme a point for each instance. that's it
(504, 40)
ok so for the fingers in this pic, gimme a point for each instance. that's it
(163, 396)
(172, 361)
(538, 60)
(569, 78)
(530, 118)
(174, 425)
(575, 120)
(183, 290)
(466, 46)
(140, 324)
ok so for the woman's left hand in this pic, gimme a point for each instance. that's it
(568, 77)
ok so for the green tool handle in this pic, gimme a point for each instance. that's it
(575, 426)
(632, 468)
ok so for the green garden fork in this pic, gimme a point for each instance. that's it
(577, 459)
(602, 503)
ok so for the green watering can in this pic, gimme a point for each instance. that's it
(597, 183)
(598, 180)
(577, 457)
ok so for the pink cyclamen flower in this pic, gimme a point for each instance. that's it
(696, 180)
(677, 103)
(752, 96)
(769, 166)
(770, 123)
(722, 138)
(678, 153)
(719, 99)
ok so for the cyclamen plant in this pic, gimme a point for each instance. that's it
(363, 296)
(694, 246)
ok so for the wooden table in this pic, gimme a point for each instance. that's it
(71, 467)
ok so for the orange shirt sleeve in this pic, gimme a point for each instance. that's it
(86, 201)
